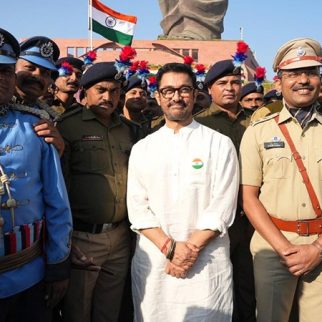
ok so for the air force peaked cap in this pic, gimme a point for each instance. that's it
(9, 48)
(250, 88)
(100, 72)
(41, 51)
(298, 53)
(221, 69)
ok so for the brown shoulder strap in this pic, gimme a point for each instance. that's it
(301, 167)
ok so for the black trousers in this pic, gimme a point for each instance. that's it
(240, 234)
(27, 306)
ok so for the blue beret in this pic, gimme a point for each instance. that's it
(9, 47)
(40, 51)
(135, 82)
(251, 88)
(75, 62)
(221, 69)
(100, 72)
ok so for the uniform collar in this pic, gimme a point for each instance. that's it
(285, 114)
(215, 109)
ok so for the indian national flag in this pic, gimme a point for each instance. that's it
(112, 25)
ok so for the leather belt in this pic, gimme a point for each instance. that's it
(93, 228)
(301, 227)
(23, 257)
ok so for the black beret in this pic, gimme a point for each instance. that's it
(41, 51)
(135, 82)
(99, 72)
(251, 88)
(75, 62)
(221, 69)
(9, 48)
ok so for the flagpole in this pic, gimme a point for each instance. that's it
(90, 23)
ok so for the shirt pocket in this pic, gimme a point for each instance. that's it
(198, 172)
(278, 164)
(89, 156)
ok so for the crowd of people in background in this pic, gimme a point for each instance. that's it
(186, 201)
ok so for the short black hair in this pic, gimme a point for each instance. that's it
(176, 68)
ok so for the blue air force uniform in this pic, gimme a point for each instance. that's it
(37, 186)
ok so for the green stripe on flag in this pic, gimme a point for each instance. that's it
(112, 34)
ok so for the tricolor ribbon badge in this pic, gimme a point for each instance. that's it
(197, 164)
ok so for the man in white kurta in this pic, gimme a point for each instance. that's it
(183, 184)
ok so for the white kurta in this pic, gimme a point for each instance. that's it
(182, 182)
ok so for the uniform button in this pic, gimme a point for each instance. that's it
(112, 146)
(303, 135)
(303, 204)
(303, 157)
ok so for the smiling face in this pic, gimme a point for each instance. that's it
(300, 87)
(32, 80)
(176, 96)
(225, 91)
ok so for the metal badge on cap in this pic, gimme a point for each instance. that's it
(300, 51)
(47, 49)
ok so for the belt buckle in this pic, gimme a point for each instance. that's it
(305, 222)
(107, 226)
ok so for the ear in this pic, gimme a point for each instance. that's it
(157, 97)
(278, 85)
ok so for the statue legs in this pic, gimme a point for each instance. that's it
(193, 19)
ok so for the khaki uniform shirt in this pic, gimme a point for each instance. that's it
(267, 162)
(219, 120)
(95, 165)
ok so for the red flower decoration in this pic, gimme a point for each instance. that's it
(127, 53)
(201, 68)
(275, 78)
(91, 54)
(135, 65)
(188, 60)
(152, 80)
(242, 47)
(260, 72)
(144, 64)
(67, 66)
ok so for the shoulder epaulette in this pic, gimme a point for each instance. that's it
(264, 119)
(266, 110)
(71, 112)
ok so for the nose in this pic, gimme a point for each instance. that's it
(36, 71)
(176, 96)
(304, 78)
(106, 95)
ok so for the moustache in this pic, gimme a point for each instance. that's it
(309, 87)
(76, 84)
(33, 80)
(180, 103)
(108, 103)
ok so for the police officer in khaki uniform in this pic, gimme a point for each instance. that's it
(226, 116)
(95, 162)
(282, 189)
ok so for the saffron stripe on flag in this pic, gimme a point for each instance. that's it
(101, 7)
(120, 25)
